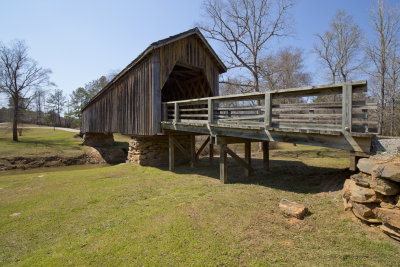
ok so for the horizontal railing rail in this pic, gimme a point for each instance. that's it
(339, 107)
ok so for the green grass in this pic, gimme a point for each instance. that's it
(39, 142)
(131, 215)
(46, 143)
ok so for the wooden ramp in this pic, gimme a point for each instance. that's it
(336, 116)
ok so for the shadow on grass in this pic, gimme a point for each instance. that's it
(114, 154)
(294, 176)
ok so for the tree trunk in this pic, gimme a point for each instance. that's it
(392, 116)
(380, 130)
(15, 119)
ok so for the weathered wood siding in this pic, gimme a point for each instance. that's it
(126, 107)
(132, 105)
(189, 51)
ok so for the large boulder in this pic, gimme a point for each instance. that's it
(388, 170)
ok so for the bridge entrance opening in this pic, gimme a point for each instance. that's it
(185, 82)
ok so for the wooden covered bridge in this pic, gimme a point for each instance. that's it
(170, 93)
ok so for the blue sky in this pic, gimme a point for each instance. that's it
(82, 40)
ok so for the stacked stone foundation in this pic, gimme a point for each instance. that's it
(153, 150)
(373, 194)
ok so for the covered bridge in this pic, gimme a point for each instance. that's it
(183, 66)
(169, 94)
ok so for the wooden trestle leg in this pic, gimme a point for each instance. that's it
(265, 146)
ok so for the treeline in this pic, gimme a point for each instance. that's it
(54, 107)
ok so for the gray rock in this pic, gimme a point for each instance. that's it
(361, 179)
(366, 165)
(384, 186)
(388, 170)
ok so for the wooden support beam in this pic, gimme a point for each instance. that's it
(176, 112)
(265, 146)
(238, 159)
(247, 158)
(211, 159)
(354, 158)
(210, 103)
(223, 166)
(171, 152)
(347, 100)
(192, 150)
(180, 147)
(164, 112)
(202, 147)
(268, 111)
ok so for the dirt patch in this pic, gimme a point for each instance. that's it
(23, 163)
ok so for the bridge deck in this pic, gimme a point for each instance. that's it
(336, 116)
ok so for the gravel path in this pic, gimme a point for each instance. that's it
(385, 147)
(46, 127)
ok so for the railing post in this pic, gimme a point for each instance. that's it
(164, 109)
(268, 110)
(176, 112)
(347, 102)
(210, 111)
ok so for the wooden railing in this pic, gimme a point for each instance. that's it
(339, 108)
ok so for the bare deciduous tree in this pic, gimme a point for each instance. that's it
(284, 70)
(18, 75)
(386, 26)
(394, 83)
(56, 102)
(39, 100)
(339, 47)
(245, 28)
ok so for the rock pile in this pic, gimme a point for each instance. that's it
(373, 195)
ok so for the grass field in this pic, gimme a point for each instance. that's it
(132, 215)
(44, 143)
(39, 142)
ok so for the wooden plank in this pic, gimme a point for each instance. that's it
(210, 104)
(192, 150)
(267, 110)
(176, 112)
(223, 166)
(253, 96)
(156, 93)
(171, 153)
(164, 112)
(202, 147)
(307, 126)
(247, 158)
(181, 148)
(325, 138)
(239, 160)
(211, 153)
(346, 108)
(265, 147)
